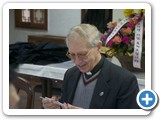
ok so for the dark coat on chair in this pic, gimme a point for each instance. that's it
(119, 86)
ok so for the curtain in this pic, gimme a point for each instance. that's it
(98, 18)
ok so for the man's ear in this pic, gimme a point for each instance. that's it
(99, 45)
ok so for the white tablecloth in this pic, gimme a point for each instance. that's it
(53, 71)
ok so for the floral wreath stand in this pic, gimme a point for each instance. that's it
(125, 60)
(126, 41)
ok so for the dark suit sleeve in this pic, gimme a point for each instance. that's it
(67, 85)
(127, 94)
(63, 95)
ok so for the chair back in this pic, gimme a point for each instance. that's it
(22, 84)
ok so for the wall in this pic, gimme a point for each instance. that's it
(59, 23)
(117, 13)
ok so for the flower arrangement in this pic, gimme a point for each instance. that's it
(119, 37)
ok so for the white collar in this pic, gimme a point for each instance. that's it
(88, 73)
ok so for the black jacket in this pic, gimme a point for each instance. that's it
(120, 88)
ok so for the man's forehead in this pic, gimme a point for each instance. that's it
(78, 51)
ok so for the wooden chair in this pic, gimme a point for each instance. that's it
(22, 84)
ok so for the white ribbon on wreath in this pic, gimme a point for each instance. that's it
(117, 28)
(138, 40)
(138, 45)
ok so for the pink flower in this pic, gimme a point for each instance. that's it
(126, 31)
(131, 25)
(109, 43)
(117, 40)
(126, 39)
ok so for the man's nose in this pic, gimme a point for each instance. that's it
(77, 60)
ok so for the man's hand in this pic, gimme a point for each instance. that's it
(69, 106)
(48, 103)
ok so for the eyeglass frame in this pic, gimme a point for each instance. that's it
(80, 56)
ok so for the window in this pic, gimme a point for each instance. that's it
(31, 18)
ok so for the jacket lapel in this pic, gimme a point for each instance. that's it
(101, 89)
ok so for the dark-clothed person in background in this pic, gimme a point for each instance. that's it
(13, 95)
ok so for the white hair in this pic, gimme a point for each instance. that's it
(86, 32)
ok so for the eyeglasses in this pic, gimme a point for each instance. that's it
(81, 56)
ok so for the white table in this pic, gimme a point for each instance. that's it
(53, 71)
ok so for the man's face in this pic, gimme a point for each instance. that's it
(84, 57)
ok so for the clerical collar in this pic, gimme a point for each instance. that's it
(88, 73)
(95, 69)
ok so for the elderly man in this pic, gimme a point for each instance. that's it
(94, 83)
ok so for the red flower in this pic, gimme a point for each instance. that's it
(126, 39)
